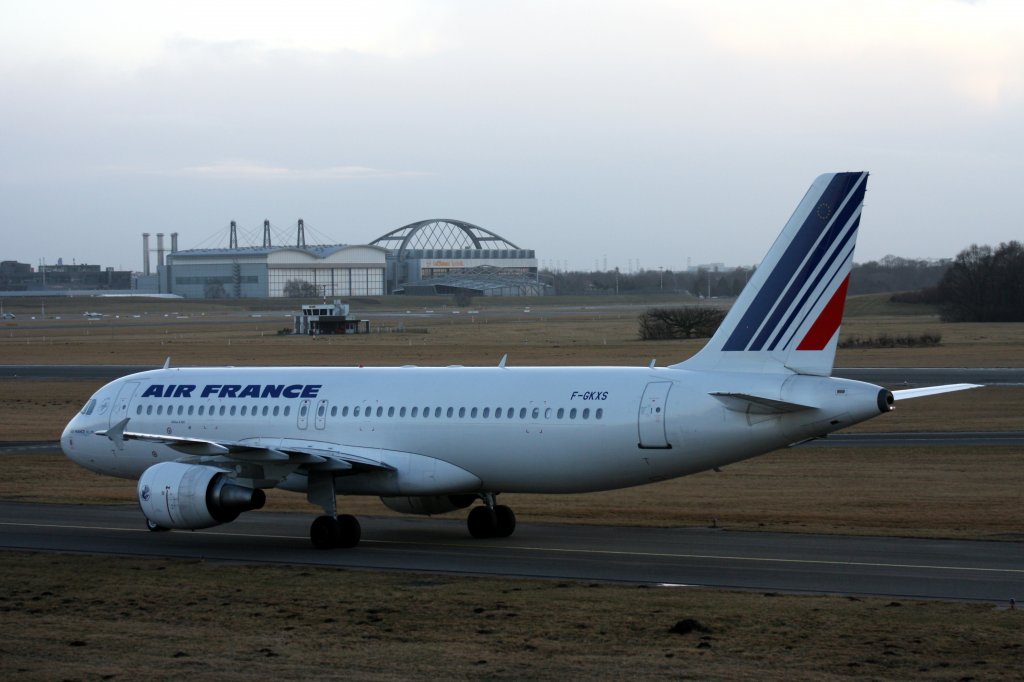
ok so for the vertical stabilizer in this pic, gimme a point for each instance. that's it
(787, 317)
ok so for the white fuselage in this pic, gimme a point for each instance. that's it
(521, 429)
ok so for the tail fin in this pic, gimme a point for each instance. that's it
(787, 317)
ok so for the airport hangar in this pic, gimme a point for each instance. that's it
(436, 256)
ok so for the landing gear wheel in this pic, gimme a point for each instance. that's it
(480, 523)
(506, 521)
(325, 532)
(155, 527)
(349, 531)
(484, 522)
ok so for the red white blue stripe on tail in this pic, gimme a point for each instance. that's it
(787, 318)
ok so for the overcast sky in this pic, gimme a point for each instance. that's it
(594, 132)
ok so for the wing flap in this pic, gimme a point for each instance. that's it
(325, 458)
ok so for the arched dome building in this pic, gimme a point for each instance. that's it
(443, 256)
(436, 256)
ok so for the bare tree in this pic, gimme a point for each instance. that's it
(691, 322)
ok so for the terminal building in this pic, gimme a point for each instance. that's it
(437, 256)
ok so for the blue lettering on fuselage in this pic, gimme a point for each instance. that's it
(233, 391)
(171, 391)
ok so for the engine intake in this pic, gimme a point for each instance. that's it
(187, 496)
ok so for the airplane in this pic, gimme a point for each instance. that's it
(204, 443)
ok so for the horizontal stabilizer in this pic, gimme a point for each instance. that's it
(907, 394)
(755, 404)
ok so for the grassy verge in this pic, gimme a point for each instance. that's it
(71, 617)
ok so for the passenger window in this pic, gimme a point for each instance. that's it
(561, 412)
(149, 409)
(222, 410)
(598, 413)
(344, 411)
(244, 408)
(487, 412)
(462, 412)
(497, 413)
(391, 411)
(232, 410)
(536, 412)
(472, 413)
(510, 412)
(586, 413)
(321, 411)
(401, 412)
(572, 413)
(355, 411)
(265, 410)
(138, 410)
(201, 410)
(380, 411)
(287, 410)
(437, 412)
(522, 413)
(334, 411)
(276, 408)
(415, 411)
(191, 409)
(450, 412)
(547, 413)
(159, 409)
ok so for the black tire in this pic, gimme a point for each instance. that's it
(349, 531)
(325, 532)
(480, 522)
(155, 527)
(506, 521)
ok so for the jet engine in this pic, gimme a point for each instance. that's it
(428, 505)
(187, 496)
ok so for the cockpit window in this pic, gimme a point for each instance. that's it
(89, 406)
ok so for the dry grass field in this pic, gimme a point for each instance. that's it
(111, 618)
(70, 617)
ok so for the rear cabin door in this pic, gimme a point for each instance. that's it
(651, 420)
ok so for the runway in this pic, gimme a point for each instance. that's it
(890, 377)
(769, 562)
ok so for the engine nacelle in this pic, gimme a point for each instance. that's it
(428, 505)
(188, 496)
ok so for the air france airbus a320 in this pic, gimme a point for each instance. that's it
(205, 443)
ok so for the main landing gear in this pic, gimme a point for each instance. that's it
(329, 532)
(332, 530)
(492, 520)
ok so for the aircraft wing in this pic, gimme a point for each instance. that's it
(320, 458)
(908, 393)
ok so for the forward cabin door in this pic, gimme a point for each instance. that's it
(651, 421)
(123, 400)
(321, 414)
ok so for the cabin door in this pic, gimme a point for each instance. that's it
(651, 421)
